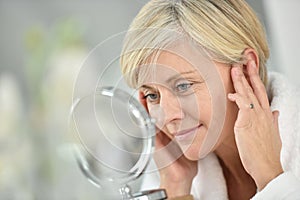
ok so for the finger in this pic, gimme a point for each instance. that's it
(252, 99)
(166, 150)
(161, 140)
(236, 75)
(243, 87)
(241, 102)
(257, 85)
(276, 124)
(244, 117)
(275, 118)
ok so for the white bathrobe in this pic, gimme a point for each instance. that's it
(209, 183)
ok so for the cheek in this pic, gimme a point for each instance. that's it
(231, 116)
(156, 112)
(213, 113)
(201, 112)
(203, 107)
(231, 107)
(191, 106)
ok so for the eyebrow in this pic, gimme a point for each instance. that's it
(147, 87)
(178, 75)
(170, 79)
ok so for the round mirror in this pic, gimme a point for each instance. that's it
(114, 137)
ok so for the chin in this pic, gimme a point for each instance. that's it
(191, 153)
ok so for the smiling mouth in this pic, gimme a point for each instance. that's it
(184, 134)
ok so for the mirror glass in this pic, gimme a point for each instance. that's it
(114, 137)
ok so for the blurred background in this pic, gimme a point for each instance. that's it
(42, 47)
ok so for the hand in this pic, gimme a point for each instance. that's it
(176, 171)
(256, 129)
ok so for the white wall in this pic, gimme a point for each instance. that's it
(283, 23)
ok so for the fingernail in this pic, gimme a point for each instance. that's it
(237, 71)
(231, 96)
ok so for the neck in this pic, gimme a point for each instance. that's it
(230, 160)
(240, 184)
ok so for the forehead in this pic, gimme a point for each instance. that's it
(177, 62)
(173, 62)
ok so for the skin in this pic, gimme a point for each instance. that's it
(249, 144)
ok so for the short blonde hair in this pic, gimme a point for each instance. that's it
(225, 28)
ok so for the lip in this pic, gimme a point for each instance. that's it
(184, 134)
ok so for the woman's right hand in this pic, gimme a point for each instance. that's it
(176, 171)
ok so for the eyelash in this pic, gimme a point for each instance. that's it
(149, 95)
(183, 84)
(177, 89)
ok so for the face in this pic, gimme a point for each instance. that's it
(188, 106)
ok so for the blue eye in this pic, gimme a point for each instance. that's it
(151, 96)
(183, 87)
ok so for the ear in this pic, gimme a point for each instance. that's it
(143, 100)
(250, 55)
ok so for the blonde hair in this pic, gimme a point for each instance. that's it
(225, 28)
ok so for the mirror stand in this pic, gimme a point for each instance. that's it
(156, 194)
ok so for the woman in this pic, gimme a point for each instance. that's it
(200, 69)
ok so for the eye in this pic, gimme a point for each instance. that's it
(152, 97)
(182, 87)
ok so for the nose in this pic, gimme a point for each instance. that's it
(171, 107)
